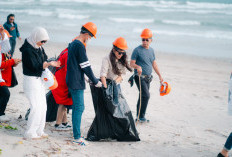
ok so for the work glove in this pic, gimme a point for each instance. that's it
(99, 84)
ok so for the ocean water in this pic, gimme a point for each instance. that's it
(195, 27)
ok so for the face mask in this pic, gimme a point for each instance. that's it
(88, 41)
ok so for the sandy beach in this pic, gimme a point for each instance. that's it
(191, 121)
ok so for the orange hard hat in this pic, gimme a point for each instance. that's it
(146, 33)
(91, 27)
(165, 88)
(120, 43)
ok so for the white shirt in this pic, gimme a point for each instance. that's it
(106, 69)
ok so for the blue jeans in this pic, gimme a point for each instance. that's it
(228, 144)
(77, 110)
(116, 92)
(12, 44)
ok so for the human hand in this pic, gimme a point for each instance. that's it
(12, 28)
(17, 61)
(99, 84)
(105, 85)
(139, 70)
(55, 63)
(8, 55)
(19, 38)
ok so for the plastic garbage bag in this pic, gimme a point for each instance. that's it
(52, 108)
(113, 119)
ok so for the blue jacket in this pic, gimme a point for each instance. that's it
(15, 32)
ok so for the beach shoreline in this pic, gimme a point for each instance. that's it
(191, 121)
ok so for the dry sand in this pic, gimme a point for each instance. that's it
(191, 121)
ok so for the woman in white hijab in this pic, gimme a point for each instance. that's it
(34, 61)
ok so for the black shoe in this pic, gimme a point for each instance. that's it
(220, 155)
(142, 120)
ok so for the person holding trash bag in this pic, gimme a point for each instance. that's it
(113, 116)
(34, 62)
(78, 65)
(143, 61)
(61, 93)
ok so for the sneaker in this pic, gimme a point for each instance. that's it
(67, 125)
(4, 118)
(81, 142)
(142, 120)
(62, 127)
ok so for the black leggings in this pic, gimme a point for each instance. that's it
(4, 98)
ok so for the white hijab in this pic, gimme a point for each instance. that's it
(38, 34)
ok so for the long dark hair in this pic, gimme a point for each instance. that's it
(122, 60)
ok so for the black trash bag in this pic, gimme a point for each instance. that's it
(52, 108)
(113, 119)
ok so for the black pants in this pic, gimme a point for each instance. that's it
(12, 44)
(4, 98)
(145, 86)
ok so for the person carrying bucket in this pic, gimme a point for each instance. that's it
(78, 65)
(35, 63)
(143, 61)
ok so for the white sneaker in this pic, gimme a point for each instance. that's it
(81, 142)
(4, 118)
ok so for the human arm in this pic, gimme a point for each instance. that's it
(80, 54)
(17, 32)
(2, 34)
(47, 64)
(155, 67)
(104, 71)
(103, 80)
(52, 63)
(118, 79)
(135, 66)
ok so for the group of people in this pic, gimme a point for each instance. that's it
(72, 65)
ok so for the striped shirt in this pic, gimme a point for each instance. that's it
(78, 65)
